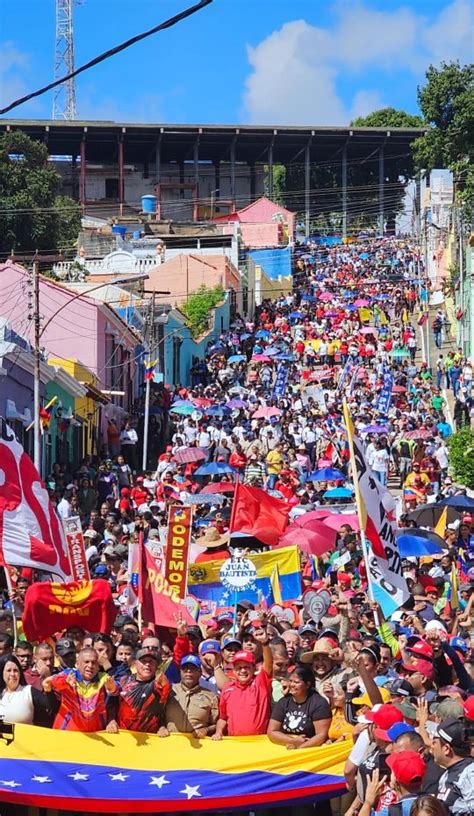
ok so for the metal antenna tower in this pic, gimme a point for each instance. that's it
(64, 96)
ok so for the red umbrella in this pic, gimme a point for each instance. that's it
(260, 358)
(266, 412)
(310, 541)
(398, 389)
(336, 520)
(313, 515)
(202, 402)
(419, 433)
(186, 455)
(218, 487)
(325, 296)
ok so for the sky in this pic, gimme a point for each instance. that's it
(299, 62)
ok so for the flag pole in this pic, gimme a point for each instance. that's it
(362, 515)
(8, 579)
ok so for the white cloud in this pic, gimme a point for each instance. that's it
(295, 70)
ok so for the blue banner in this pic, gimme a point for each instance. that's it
(385, 396)
(280, 381)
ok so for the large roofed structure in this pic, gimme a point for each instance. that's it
(196, 161)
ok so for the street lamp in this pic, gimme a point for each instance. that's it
(37, 350)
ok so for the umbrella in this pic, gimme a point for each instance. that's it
(262, 334)
(287, 357)
(418, 542)
(336, 520)
(360, 302)
(338, 493)
(223, 511)
(309, 298)
(218, 487)
(181, 404)
(457, 502)
(369, 330)
(295, 315)
(260, 358)
(429, 514)
(311, 541)
(190, 455)
(376, 429)
(272, 351)
(266, 412)
(351, 308)
(399, 352)
(211, 468)
(326, 296)
(419, 433)
(245, 336)
(217, 410)
(326, 475)
(399, 389)
(237, 358)
(236, 403)
(183, 409)
(202, 402)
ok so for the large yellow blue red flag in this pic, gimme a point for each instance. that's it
(143, 773)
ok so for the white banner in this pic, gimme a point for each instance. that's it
(31, 534)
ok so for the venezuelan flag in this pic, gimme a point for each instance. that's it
(204, 579)
(141, 773)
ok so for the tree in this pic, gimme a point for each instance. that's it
(199, 306)
(388, 117)
(461, 456)
(447, 104)
(32, 214)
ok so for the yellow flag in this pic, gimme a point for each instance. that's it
(440, 528)
(365, 314)
(275, 584)
(454, 601)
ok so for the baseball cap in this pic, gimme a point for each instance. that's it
(244, 657)
(398, 729)
(209, 647)
(447, 709)
(420, 648)
(229, 640)
(91, 534)
(364, 699)
(408, 709)
(458, 643)
(191, 660)
(146, 652)
(225, 616)
(400, 687)
(245, 605)
(422, 666)
(307, 629)
(122, 620)
(406, 766)
(452, 731)
(469, 708)
(100, 570)
(65, 646)
(385, 716)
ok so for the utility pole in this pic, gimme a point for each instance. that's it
(37, 369)
(150, 344)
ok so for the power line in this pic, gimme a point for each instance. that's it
(169, 23)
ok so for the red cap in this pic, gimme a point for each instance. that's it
(244, 657)
(469, 708)
(423, 666)
(406, 766)
(384, 716)
(421, 649)
(430, 588)
(139, 479)
(344, 577)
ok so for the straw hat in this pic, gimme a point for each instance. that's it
(212, 540)
(324, 646)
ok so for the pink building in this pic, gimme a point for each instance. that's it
(262, 224)
(184, 273)
(80, 329)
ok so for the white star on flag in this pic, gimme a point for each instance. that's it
(10, 784)
(159, 781)
(41, 779)
(119, 777)
(190, 791)
(78, 776)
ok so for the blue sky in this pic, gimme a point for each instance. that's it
(249, 61)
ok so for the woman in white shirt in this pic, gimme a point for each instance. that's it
(19, 703)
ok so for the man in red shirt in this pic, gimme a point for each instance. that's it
(139, 495)
(244, 707)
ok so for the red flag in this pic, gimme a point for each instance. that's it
(256, 513)
(160, 602)
(53, 607)
(30, 532)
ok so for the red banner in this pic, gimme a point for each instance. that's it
(159, 600)
(256, 513)
(178, 540)
(76, 549)
(50, 608)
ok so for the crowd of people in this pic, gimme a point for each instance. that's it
(265, 407)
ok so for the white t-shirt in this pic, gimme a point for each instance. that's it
(17, 706)
(380, 459)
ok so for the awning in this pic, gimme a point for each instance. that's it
(95, 394)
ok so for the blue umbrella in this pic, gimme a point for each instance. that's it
(186, 410)
(309, 298)
(237, 358)
(295, 315)
(182, 404)
(337, 493)
(326, 475)
(236, 403)
(217, 410)
(351, 308)
(418, 542)
(458, 502)
(211, 468)
(263, 334)
(284, 357)
(377, 429)
(245, 336)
